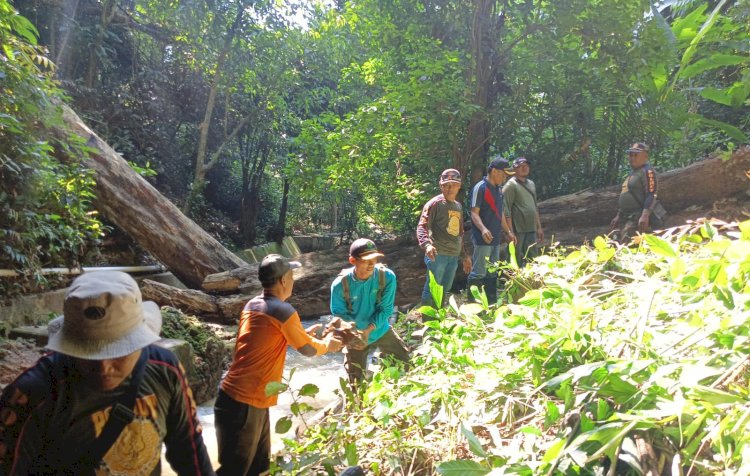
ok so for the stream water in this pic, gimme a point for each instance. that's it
(323, 371)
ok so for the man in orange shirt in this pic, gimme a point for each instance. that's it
(267, 325)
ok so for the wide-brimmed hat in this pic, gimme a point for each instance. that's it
(364, 249)
(104, 317)
(273, 267)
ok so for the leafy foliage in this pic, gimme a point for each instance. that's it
(614, 348)
(45, 205)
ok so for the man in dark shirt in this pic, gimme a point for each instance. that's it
(488, 224)
(638, 202)
(107, 398)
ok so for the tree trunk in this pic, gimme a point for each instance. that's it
(701, 183)
(154, 222)
(201, 167)
(277, 232)
(485, 68)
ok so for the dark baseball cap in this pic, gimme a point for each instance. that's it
(638, 147)
(450, 175)
(501, 163)
(364, 249)
(274, 267)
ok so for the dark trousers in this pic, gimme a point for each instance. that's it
(243, 434)
(389, 344)
(526, 248)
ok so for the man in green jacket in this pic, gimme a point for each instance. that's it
(638, 205)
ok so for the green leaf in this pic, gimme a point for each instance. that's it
(660, 246)
(745, 229)
(436, 291)
(283, 425)
(275, 388)
(350, 452)
(712, 62)
(714, 396)
(728, 129)
(462, 467)
(309, 390)
(474, 445)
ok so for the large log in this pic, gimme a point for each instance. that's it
(154, 222)
(698, 184)
(312, 282)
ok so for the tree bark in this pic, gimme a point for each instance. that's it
(154, 222)
(697, 184)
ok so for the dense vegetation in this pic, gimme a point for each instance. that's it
(262, 118)
(612, 360)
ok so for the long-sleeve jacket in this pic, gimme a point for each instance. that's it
(363, 295)
(49, 413)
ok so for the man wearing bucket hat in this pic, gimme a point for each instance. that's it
(638, 205)
(440, 234)
(268, 324)
(106, 398)
(364, 294)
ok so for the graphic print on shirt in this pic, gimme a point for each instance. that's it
(138, 447)
(454, 222)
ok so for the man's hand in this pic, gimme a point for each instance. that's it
(333, 343)
(643, 221)
(366, 333)
(539, 235)
(467, 265)
(615, 222)
(430, 251)
(487, 236)
(512, 238)
(314, 331)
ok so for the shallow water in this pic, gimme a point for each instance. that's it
(323, 371)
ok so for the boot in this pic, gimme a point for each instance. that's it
(478, 282)
(490, 287)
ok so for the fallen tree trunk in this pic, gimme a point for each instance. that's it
(312, 282)
(154, 222)
(697, 184)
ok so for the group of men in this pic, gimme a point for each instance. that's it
(107, 398)
(503, 210)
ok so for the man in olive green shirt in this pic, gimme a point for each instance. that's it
(521, 210)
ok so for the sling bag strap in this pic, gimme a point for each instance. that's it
(119, 417)
(347, 292)
(533, 195)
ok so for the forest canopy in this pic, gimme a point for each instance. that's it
(263, 118)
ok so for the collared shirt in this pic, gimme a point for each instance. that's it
(638, 190)
(488, 199)
(267, 326)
